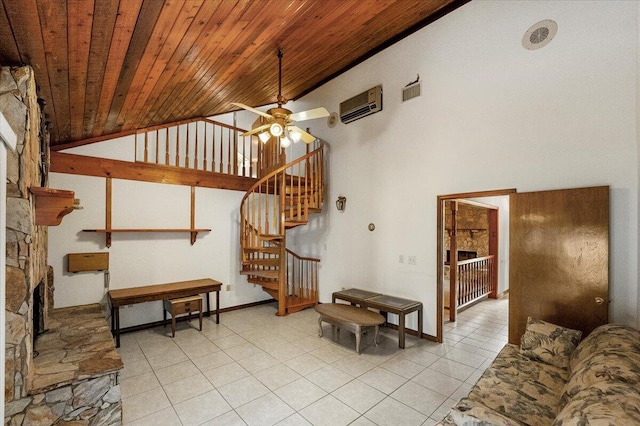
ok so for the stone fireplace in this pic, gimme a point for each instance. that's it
(74, 380)
(26, 250)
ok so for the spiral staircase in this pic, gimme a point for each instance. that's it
(282, 199)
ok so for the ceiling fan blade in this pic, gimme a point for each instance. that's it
(256, 130)
(309, 114)
(307, 137)
(253, 110)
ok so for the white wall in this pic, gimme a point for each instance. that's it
(560, 117)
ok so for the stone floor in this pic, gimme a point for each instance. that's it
(258, 369)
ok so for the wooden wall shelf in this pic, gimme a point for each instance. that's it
(52, 205)
(108, 232)
(108, 229)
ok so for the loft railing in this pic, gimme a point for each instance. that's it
(475, 279)
(199, 144)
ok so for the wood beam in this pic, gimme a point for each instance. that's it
(104, 167)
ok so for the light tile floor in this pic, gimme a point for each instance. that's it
(258, 369)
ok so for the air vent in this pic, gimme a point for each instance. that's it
(366, 103)
(539, 34)
(411, 91)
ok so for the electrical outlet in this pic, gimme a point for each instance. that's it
(228, 287)
(412, 260)
(401, 259)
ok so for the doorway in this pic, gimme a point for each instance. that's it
(471, 261)
(470, 277)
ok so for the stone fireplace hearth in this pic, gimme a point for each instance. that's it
(75, 377)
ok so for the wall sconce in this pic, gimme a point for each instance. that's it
(341, 202)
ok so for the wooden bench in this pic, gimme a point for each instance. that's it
(150, 293)
(184, 305)
(350, 317)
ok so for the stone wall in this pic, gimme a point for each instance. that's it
(94, 401)
(473, 229)
(26, 251)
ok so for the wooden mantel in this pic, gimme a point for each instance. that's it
(52, 205)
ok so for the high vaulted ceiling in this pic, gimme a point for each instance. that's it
(108, 66)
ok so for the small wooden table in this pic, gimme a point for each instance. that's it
(353, 295)
(400, 307)
(383, 303)
(150, 293)
(183, 305)
(350, 317)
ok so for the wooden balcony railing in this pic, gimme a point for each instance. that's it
(475, 279)
(199, 144)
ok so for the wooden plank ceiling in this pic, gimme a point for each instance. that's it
(107, 66)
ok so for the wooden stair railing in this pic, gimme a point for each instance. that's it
(302, 281)
(199, 144)
(475, 279)
(281, 200)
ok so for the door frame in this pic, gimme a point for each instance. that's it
(441, 200)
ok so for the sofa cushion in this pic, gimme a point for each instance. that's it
(602, 404)
(609, 337)
(611, 367)
(511, 361)
(549, 343)
(520, 388)
(471, 413)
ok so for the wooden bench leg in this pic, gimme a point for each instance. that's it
(173, 326)
(375, 336)
(200, 319)
(358, 337)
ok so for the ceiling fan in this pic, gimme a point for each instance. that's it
(281, 121)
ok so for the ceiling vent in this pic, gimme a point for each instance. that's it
(539, 34)
(366, 103)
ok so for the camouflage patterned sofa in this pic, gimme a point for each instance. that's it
(550, 381)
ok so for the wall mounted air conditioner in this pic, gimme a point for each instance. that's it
(366, 103)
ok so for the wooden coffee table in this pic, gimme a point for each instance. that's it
(350, 317)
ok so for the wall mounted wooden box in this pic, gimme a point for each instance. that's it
(78, 262)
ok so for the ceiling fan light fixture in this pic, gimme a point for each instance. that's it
(295, 136)
(264, 137)
(276, 129)
(285, 142)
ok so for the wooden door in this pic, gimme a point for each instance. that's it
(559, 258)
